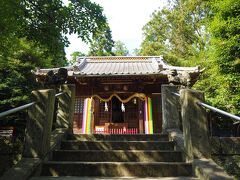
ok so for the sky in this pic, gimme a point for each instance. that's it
(126, 19)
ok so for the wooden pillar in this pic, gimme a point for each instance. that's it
(92, 114)
(39, 124)
(170, 108)
(195, 128)
(157, 113)
(96, 112)
(66, 107)
(140, 116)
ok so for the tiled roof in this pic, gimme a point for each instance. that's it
(119, 65)
(116, 67)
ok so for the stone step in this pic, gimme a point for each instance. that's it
(117, 169)
(118, 137)
(116, 145)
(110, 178)
(117, 156)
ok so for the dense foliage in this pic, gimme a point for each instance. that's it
(199, 32)
(102, 44)
(74, 57)
(222, 83)
(120, 49)
(33, 34)
(176, 31)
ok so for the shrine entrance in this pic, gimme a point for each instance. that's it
(117, 92)
(115, 114)
(122, 92)
(117, 111)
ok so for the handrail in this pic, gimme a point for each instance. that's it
(219, 111)
(59, 94)
(176, 94)
(14, 110)
(214, 109)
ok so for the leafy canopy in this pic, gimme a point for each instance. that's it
(33, 34)
(200, 32)
(176, 31)
(120, 49)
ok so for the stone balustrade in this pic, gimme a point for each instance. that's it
(40, 139)
(186, 123)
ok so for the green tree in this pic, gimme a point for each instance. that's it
(48, 22)
(199, 32)
(221, 79)
(120, 49)
(74, 56)
(102, 43)
(155, 35)
(33, 34)
(8, 26)
(176, 32)
(136, 52)
(17, 81)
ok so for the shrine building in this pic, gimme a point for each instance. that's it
(120, 94)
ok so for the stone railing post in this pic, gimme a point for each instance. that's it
(195, 127)
(170, 107)
(39, 124)
(66, 104)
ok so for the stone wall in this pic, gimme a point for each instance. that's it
(10, 153)
(226, 153)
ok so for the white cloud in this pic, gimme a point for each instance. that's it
(126, 19)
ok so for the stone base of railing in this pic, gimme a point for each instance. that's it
(205, 169)
(28, 167)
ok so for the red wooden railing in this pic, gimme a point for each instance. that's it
(117, 131)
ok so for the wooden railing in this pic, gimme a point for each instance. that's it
(117, 131)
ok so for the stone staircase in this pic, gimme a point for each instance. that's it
(116, 156)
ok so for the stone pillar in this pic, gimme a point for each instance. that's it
(39, 124)
(66, 104)
(170, 107)
(195, 127)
